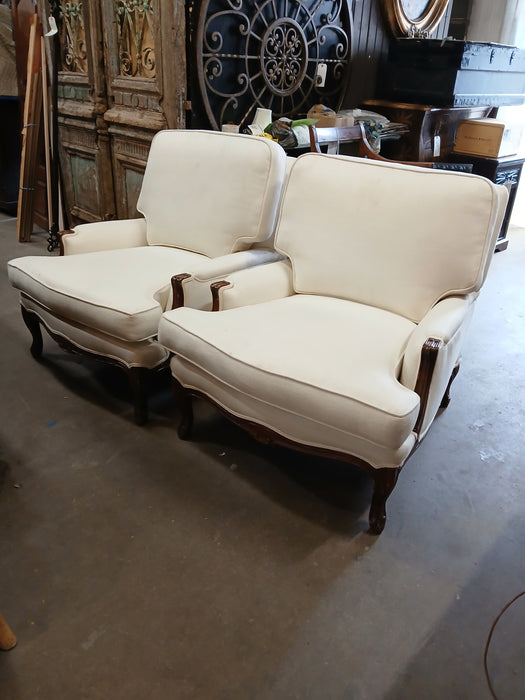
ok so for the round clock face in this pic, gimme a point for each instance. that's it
(414, 9)
(414, 17)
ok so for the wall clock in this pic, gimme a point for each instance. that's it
(414, 18)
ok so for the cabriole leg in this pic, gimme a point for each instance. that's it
(32, 322)
(138, 377)
(184, 403)
(384, 482)
(446, 396)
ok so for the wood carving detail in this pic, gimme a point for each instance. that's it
(114, 85)
(384, 479)
(132, 186)
(77, 139)
(136, 48)
(132, 149)
(429, 354)
(85, 181)
(72, 37)
(78, 93)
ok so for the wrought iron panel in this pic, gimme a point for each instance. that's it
(283, 55)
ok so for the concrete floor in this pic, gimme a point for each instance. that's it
(134, 566)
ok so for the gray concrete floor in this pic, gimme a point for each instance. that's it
(133, 565)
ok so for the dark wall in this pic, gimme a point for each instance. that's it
(371, 38)
(370, 47)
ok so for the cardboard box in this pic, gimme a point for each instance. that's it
(488, 138)
(327, 117)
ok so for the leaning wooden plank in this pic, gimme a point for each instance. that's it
(30, 133)
(47, 142)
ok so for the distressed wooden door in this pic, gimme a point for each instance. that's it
(121, 79)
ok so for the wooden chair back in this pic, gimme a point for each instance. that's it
(333, 136)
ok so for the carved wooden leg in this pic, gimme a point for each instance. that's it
(446, 396)
(138, 377)
(384, 482)
(7, 638)
(32, 322)
(184, 403)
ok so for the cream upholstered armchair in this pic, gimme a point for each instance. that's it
(209, 202)
(348, 348)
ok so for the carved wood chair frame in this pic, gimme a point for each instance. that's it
(384, 479)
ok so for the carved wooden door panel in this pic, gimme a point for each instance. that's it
(83, 139)
(121, 79)
(146, 83)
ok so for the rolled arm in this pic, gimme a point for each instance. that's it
(443, 329)
(215, 268)
(105, 235)
(193, 289)
(255, 286)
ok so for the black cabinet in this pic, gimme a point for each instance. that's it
(454, 73)
(503, 171)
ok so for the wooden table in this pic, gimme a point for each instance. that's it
(432, 130)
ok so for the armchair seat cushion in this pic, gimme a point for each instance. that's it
(141, 353)
(121, 293)
(323, 371)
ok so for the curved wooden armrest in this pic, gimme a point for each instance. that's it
(215, 286)
(178, 289)
(349, 134)
(365, 151)
(334, 134)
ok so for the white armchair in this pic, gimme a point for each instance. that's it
(348, 349)
(209, 202)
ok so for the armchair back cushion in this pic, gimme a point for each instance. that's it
(346, 220)
(237, 210)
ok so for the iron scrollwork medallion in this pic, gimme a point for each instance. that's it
(283, 55)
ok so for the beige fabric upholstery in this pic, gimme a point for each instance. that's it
(283, 364)
(105, 235)
(435, 226)
(212, 206)
(147, 353)
(447, 321)
(196, 287)
(206, 198)
(204, 195)
(258, 284)
(382, 258)
(119, 292)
